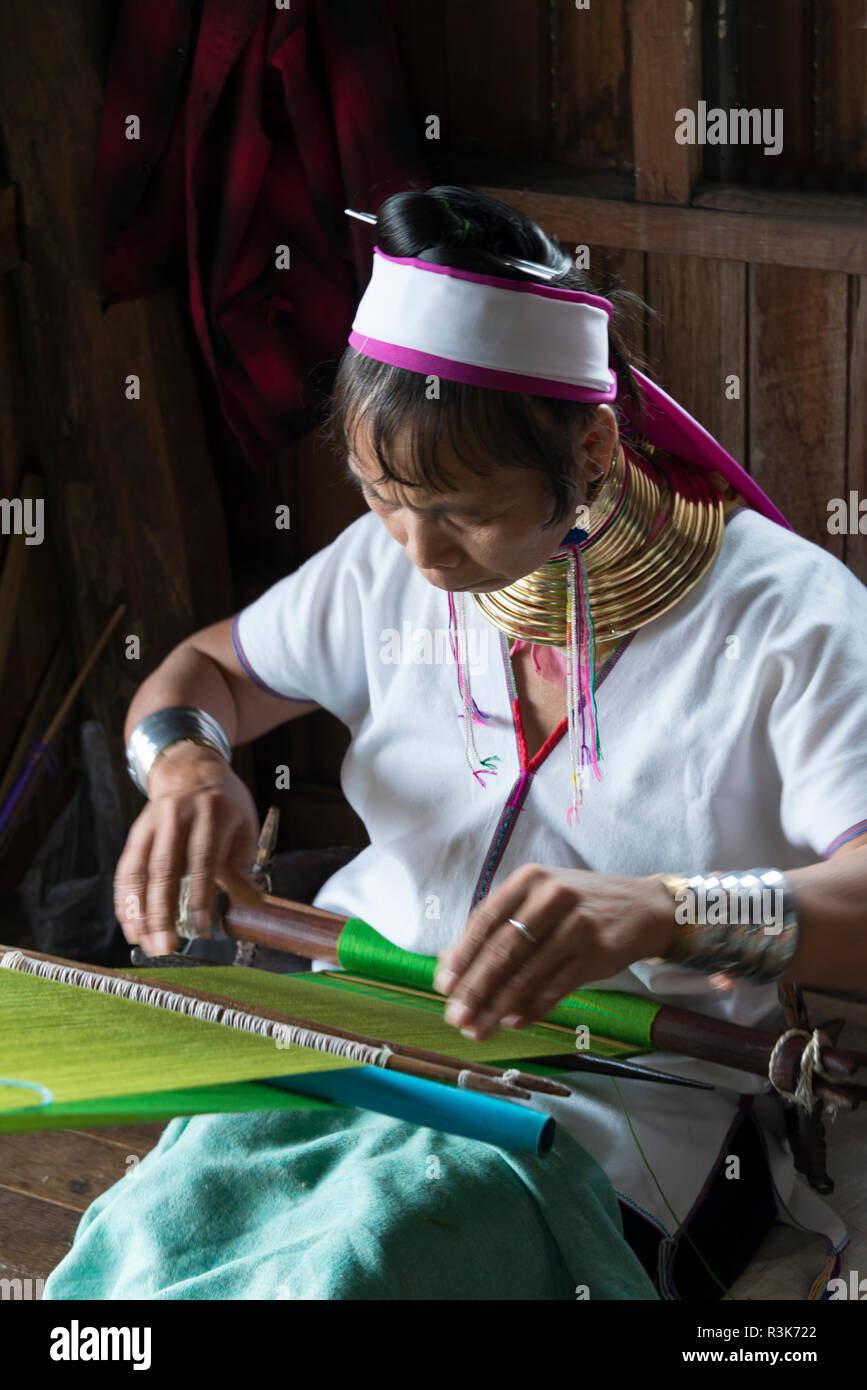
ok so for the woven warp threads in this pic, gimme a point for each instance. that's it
(284, 1035)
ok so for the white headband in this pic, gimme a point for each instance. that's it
(485, 330)
(520, 336)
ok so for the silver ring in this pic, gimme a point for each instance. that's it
(524, 930)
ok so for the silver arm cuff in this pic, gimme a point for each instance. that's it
(753, 926)
(172, 725)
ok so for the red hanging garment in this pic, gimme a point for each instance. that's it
(257, 127)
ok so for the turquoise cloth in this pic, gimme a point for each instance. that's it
(349, 1205)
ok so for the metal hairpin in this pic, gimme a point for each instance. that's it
(533, 267)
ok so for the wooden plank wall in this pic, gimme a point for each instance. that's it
(770, 288)
(132, 509)
(34, 664)
(568, 114)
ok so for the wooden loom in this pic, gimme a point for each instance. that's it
(397, 987)
(813, 1078)
(40, 995)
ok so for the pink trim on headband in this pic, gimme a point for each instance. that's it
(499, 282)
(660, 418)
(427, 363)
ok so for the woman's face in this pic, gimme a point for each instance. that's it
(486, 533)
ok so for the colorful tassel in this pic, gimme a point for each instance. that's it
(583, 722)
(471, 713)
(584, 747)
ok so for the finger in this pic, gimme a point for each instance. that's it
(499, 959)
(130, 880)
(530, 980)
(557, 954)
(508, 950)
(235, 875)
(164, 871)
(571, 975)
(483, 921)
(524, 999)
(210, 838)
(160, 943)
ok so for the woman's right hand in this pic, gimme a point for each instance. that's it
(200, 820)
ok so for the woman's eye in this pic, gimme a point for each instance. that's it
(463, 523)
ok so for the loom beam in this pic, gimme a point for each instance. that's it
(314, 933)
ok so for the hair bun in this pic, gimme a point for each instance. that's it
(418, 221)
(450, 225)
(460, 229)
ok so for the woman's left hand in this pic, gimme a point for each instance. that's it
(588, 926)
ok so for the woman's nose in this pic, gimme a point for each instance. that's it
(429, 549)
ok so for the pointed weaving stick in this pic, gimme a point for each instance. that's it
(266, 843)
(266, 1022)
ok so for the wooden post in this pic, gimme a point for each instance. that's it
(666, 77)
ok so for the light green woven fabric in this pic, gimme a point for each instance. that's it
(84, 1045)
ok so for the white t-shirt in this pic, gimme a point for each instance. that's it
(734, 735)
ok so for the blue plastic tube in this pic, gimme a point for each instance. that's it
(429, 1103)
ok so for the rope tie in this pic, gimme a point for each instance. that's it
(810, 1065)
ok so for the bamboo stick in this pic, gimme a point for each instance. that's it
(83, 673)
(31, 724)
(12, 808)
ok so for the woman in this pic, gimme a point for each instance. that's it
(652, 673)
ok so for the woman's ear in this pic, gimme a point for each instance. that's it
(596, 448)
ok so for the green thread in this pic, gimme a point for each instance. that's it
(445, 204)
(90, 1048)
(362, 951)
(625, 1017)
(679, 1224)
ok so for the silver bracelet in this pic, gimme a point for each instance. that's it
(753, 931)
(172, 725)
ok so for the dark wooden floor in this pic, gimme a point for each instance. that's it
(46, 1182)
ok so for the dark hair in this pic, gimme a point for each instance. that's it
(454, 226)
